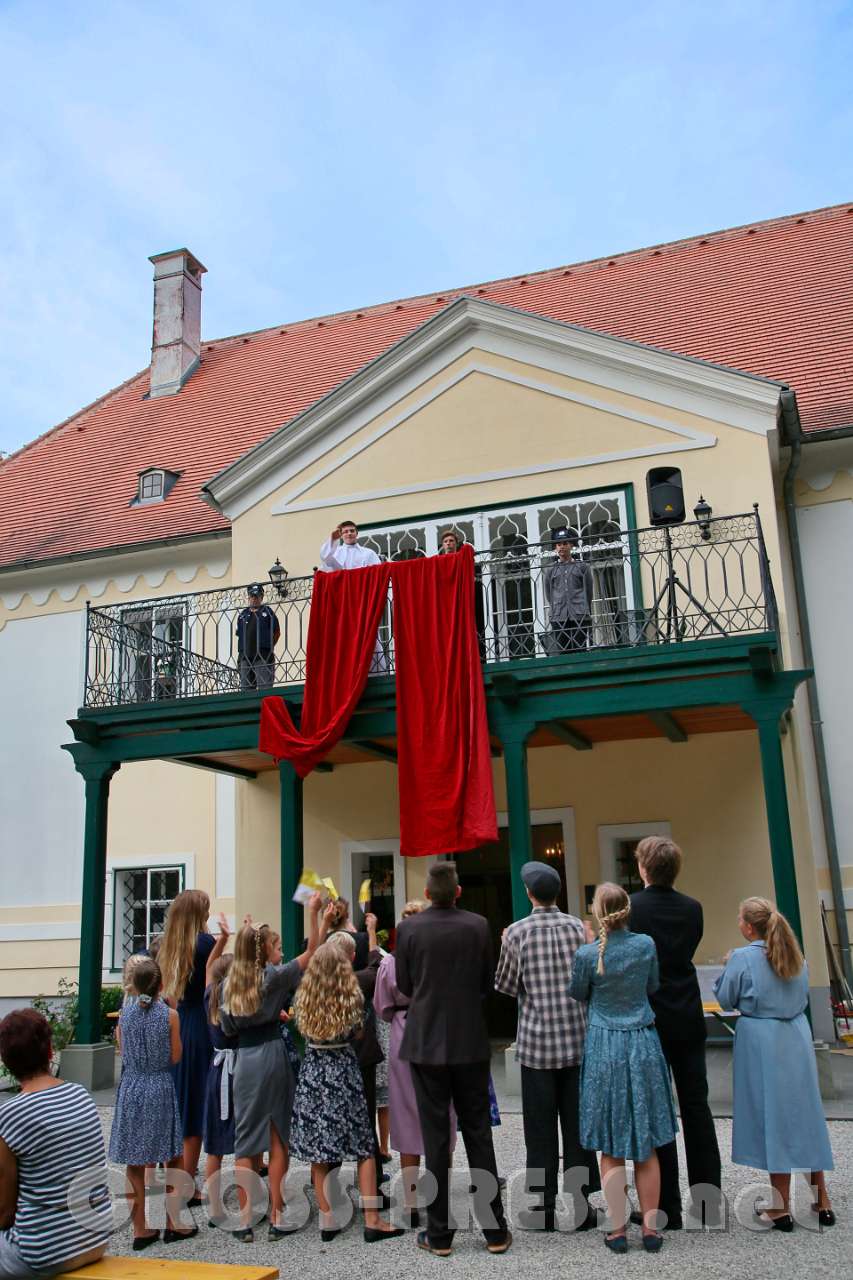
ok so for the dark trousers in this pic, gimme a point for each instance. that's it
(550, 1103)
(467, 1088)
(368, 1077)
(686, 1059)
(571, 634)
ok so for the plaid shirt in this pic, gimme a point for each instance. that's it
(536, 966)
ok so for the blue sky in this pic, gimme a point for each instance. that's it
(320, 157)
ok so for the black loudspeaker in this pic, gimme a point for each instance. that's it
(666, 495)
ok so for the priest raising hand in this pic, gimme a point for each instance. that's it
(341, 550)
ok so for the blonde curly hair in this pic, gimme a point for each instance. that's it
(611, 908)
(328, 1003)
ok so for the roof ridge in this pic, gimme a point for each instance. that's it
(449, 294)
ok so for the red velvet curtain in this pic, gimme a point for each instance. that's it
(447, 801)
(346, 609)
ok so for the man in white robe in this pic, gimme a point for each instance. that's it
(341, 551)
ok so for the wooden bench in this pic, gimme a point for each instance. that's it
(162, 1269)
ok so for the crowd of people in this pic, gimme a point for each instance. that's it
(606, 1025)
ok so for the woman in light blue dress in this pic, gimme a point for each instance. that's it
(779, 1123)
(626, 1097)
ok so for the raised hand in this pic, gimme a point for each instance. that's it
(370, 922)
(315, 902)
(336, 534)
(224, 928)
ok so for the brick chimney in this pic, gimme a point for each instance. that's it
(176, 342)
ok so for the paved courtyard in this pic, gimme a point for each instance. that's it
(700, 1255)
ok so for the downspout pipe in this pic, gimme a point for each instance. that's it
(795, 437)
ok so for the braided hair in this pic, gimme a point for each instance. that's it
(611, 908)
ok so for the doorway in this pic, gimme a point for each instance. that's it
(379, 862)
(484, 876)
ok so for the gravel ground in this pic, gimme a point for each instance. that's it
(702, 1255)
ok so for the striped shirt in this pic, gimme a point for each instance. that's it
(56, 1138)
(536, 966)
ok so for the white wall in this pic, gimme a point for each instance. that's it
(826, 535)
(41, 794)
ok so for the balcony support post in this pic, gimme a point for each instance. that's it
(91, 1061)
(292, 915)
(767, 715)
(514, 734)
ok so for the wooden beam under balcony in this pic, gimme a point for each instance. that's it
(668, 725)
(377, 749)
(215, 766)
(570, 736)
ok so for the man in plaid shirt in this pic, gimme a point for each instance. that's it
(535, 966)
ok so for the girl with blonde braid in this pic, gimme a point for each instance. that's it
(256, 989)
(778, 1120)
(626, 1098)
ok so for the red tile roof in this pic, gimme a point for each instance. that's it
(773, 298)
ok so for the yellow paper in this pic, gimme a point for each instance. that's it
(364, 893)
(330, 885)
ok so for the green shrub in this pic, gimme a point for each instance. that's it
(61, 1012)
(111, 998)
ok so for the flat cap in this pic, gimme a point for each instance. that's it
(543, 881)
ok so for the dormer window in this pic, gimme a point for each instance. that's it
(154, 485)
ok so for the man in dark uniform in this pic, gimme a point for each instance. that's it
(568, 590)
(675, 923)
(257, 635)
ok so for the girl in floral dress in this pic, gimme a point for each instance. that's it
(146, 1128)
(330, 1119)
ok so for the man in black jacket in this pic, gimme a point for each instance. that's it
(675, 923)
(444, 964)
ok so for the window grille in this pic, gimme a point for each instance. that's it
(142, 897)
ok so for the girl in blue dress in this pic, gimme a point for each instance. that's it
(219, 1103)
(146, 1128)
(184, 954)
(778, 1120)
(626, 1097)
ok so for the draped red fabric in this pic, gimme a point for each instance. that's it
(346, 609)
(444, 766)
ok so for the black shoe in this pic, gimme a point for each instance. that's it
(144, 1242)
(783, 1223)
(617, 1244)
(826, 1217)
(372, 1235)
(245, 1235)
(175, 1237)
(211, 1223)
(278, 1233)
(195, 1203)
(674, 1223)
(499, 1246)
(329, 1233)
(653, 1243)
(422, 1241)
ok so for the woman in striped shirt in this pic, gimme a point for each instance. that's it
(55, 1211)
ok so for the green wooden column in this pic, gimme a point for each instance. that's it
(97, 777)
(767, 718)
(292, 917)
(514, 742)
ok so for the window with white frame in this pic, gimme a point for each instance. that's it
(141, 898)
(514, 546)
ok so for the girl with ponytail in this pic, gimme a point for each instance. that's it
(626, 1099)
(778, 1122)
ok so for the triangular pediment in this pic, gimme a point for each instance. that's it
(625, 399)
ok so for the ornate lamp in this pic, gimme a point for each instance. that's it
(702, 511)
(278, 578)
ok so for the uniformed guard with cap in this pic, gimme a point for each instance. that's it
(568, 590)
(258, 633)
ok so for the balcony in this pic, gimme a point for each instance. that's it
(650, 587)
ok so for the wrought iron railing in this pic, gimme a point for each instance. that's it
(670, 584)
